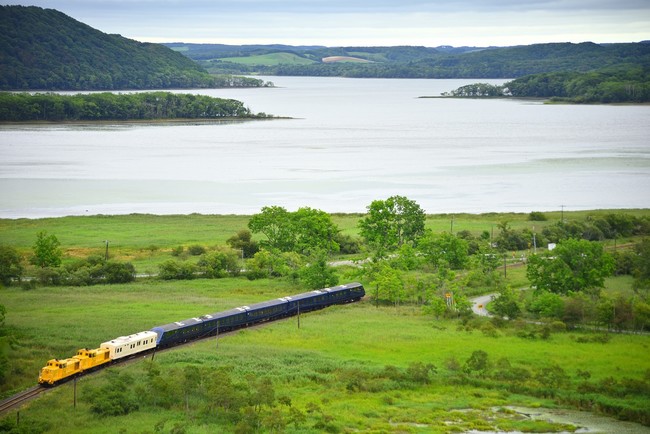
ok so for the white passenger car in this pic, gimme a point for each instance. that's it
(125, 346)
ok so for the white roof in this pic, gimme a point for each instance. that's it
(124, 340)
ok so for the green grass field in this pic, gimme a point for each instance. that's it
(347, 368)
(271, 59)
(316, 365)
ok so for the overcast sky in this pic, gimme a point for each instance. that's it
(364, 22)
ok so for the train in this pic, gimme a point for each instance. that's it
(59, 370)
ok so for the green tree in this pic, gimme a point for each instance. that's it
(314, 231)
(444, 248)
(47, 251)
(11, 267)
(318, 273)
(641, 267)
(304, 231)
(547, 305)
(391, 223)
(273, 263)
(505, 303)
(275, 223)
(243, 241)
(573, 266)
(389, 282)
(436, 307)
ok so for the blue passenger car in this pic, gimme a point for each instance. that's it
(177, 332)
(321, 298)
(210, 324)
(206, 325)
(266, 310)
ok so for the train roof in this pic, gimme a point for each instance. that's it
(130, 338)
(310, 294)
(179, 324)
(265, 304)
(223, 314)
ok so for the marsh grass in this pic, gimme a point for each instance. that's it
(345, 368)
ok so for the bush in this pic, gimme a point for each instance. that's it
(118, 272)
(196, 250)
(174, 270)
(115, 398)
(477, 362)
(220, 264)
(536, 216)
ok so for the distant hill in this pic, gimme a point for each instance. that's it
(418, 62)
(43, 49)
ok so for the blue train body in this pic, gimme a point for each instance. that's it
(206, 325)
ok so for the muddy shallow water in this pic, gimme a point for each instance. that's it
(585, 422)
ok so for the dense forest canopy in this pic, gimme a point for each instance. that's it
(625, 83)
(15, 107)
(418, 62)
(47, 50)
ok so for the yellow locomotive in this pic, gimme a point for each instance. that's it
(57, 370)
(85, 359)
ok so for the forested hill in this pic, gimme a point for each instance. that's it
(43, 49)
(417, 62)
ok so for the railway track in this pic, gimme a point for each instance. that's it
(17, 400)
(20, 398)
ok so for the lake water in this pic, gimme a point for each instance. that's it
(351, 141)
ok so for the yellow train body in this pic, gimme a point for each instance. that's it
(92, 358)
(56, 370)
(60, 369)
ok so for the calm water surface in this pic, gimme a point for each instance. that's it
(351, 141)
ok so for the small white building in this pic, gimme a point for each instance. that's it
(125, 346)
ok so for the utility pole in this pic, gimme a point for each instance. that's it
(106, 254)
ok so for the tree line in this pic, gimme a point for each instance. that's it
(627, 83)
(18, 107)
(400, 261)
(423, 62)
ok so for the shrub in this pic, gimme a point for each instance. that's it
(536, 216)
(418, 372)
(196, 250)
(174, 270)
(477, 362)
(114, 398)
